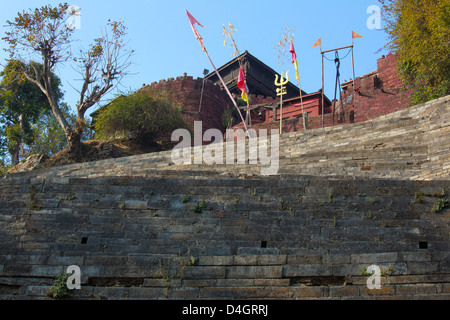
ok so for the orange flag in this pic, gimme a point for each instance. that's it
(355, 35)
(193, 21)
(318, 43)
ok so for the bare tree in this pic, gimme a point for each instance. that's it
(44, 34)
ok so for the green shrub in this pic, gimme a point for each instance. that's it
(145, 115)
(439, 205)
(59, 289)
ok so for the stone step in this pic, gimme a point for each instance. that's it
(386, 136)
(345, 198)
(408, 274)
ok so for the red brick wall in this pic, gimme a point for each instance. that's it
(378, 93)
(293, 109)
(188, 91)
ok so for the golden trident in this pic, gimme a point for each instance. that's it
(281, 91)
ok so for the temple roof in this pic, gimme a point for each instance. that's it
(260, 77)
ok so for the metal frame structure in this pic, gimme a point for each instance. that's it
(323, 81)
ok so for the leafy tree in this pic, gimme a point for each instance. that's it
(45, 35)
(21, 104)
(145, 115)
(419, 33)
(50, 138)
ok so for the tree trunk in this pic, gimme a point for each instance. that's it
(15, 154)
(74, 146)
(15, 151)
(74, 143)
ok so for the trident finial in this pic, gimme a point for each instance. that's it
(281, 91)
(282, 82)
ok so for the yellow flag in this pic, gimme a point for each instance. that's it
(244, 97)
(318, 43)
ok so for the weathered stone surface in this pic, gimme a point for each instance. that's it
(308, 233)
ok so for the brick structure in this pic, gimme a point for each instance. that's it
(202, 100)
(292, 108)
(376, 93)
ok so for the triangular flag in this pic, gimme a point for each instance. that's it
(242, 85)
(292, 50)
(355, 35)
(318, 43)
(193, 21)
(294, 59)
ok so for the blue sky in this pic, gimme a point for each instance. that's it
(165, 46)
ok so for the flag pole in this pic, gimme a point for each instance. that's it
(193, 21)
(295, 61)
(301, 103)
(353, 67)
(228, 91)
(323, 94)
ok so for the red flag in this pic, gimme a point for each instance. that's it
(193, 21)
(242, 85)
(241, 80)
(292, 50)
(294, 59)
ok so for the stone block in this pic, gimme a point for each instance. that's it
(257, 251)
(266, 260)
(414, 256)
(252, 283)
(163, 283)
(375, 257)
(65, 260)
(422, 267)
(336, 259)
(46, 271)
(304, 259)
(245, 260)
(307, 292)
(121, 293)
(344, 291)
(204, 272)
(307, 270)
(215, 260)
(135, 205)
(254, 272)
(37, 291)
(183, 293)
(384, 290)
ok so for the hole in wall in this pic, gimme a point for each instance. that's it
(423, 245)
(263, 244)
(84, 240)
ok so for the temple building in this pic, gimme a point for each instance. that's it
(203, 99)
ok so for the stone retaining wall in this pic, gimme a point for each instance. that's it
(345, 198)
